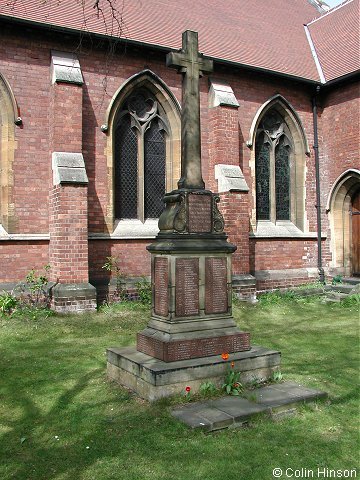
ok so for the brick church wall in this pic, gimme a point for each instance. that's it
(338, 145)
(26, 65)
(339, 133)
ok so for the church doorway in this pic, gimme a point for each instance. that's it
(355, 228)
(344, 215)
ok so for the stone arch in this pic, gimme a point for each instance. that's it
(171, 108)
(289, 115)
(345, 187)
(298, 157)
(9, 117)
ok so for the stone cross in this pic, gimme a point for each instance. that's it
(191, 64)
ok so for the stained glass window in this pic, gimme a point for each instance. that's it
(282, 180)
(154, 171)
(126, 170)
(140, 158)
(272, 168)
(263, 179)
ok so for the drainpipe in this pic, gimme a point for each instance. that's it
(317, 174)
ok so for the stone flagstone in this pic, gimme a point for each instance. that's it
(272, 400)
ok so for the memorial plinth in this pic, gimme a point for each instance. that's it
(191, 288)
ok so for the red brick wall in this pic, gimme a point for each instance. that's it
(133, 258)
(223, 146)
(18, 257)
(235, 208)
(65, 118)
(68, 235)
(338, 133)
(25, 62)
(26, 65)
(279, 254)
(339, 147)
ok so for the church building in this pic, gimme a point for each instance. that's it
(90, 138)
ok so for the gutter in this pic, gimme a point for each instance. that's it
(343, 78)
(317, 176)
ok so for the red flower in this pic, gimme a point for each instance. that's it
(188, 389)
(224, 356)
(232, 364)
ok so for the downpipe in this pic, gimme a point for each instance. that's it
(317, 177)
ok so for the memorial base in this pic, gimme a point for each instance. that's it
(153, 379)
(171, 348)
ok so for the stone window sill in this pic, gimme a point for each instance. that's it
(5, 236)
(131, 230)
(280, 229)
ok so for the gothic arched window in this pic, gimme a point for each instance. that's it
(8, 119)
(140, 131)
(273, 147)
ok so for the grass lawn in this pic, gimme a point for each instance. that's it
(61, 419)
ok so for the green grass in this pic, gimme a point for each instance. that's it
(55, 400)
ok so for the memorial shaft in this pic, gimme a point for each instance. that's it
(191, 64)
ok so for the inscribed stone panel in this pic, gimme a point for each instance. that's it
(187, 287)
(161, 281)
(216, 295)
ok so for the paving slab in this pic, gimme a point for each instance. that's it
(237, 407)
(277, 401)
(201, 415)
(285, 393)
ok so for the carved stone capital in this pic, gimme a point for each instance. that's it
(191, 211)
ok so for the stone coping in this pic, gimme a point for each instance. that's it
(231, 411)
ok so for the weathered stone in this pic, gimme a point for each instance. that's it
(230, 178)
(285, 393)
(221, 94)
(65, 67)
(191, 64)
(68, 168)
(148, 341)
(229, 412)
(73, 297)
(155, 378)
(191, 272)
(239, 408)
(203, 417)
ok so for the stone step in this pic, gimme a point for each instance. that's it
(351, 280)
(335, 297)
(343, 288)
(274, 401)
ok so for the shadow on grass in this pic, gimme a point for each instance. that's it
(55, 395)
(33, 432)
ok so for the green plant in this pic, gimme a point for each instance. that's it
(207, 388)
(144, 291)
(352, 300)
(232, 385)
(308, 286)
(276, 377)
(336, 280)
(7, 303)
(112, 265)
(34, 292)
(276, 297)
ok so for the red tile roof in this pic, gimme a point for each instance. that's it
(259, 33)
(335, 36)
